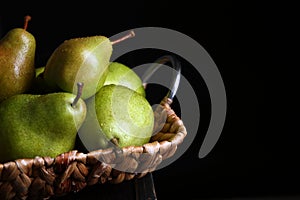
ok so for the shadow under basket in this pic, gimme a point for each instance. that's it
(46, 177)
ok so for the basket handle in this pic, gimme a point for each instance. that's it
(175, 79)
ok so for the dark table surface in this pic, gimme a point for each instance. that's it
(144, 189)
(137, 189)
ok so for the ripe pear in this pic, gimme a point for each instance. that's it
(17, 56)
(39, 125)
(120, 74)
(120, 115)
(83, 59)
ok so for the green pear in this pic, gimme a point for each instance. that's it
(119, 115)
(120, 74)
(90, 132)
(39, 71)
(83, 59)
(17, 55)
(39, 125)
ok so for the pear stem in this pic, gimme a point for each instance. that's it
(115, 141)
(27, 18)
(79, 93)
(129, 35)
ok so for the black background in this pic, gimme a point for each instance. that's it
(252, 44)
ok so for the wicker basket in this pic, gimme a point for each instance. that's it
(46, 177)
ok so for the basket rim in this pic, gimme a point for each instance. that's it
(74, 170)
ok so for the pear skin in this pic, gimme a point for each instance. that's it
(17, 56)
(123, 117)
(82, 59)
(79, 60)
(120, 74)
(39, 125)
